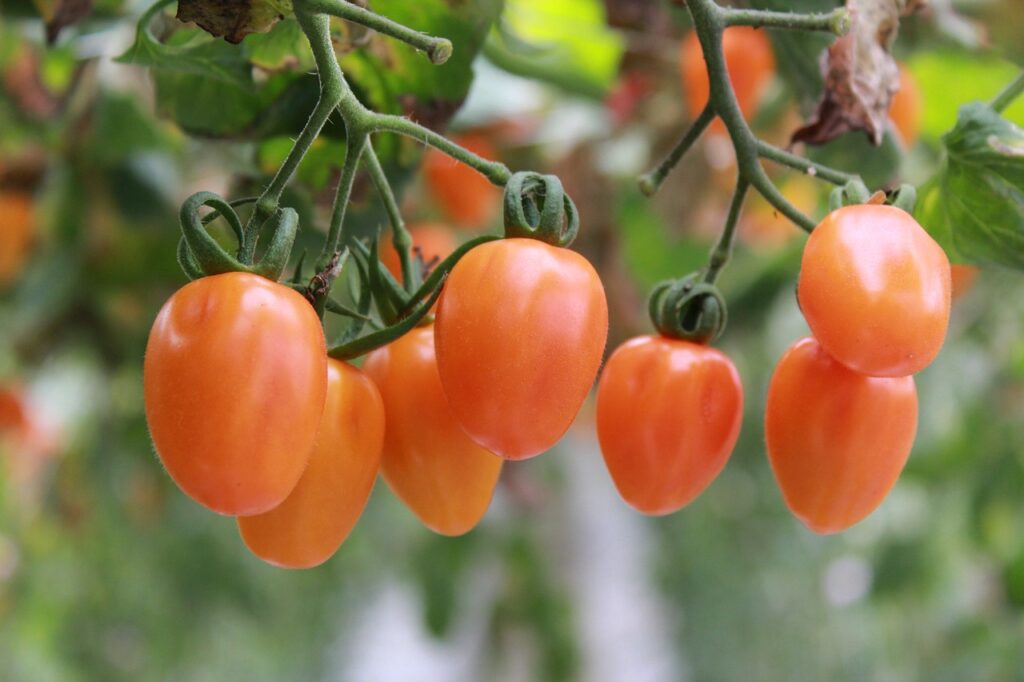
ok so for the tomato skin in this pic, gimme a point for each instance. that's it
(521, 327)
(875, 289)
(837, 440)
(465, 197)
(433, 240)
(748, 59)
(235, 377)
(311, 524)
(445, 478)
(906, 108)
(668, 416)
(16, 228)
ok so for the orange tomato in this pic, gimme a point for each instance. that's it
(962, 277)
(668, 416)
(837, 440)
(906, 108)
(521, 327)
(445, 478)
(465, 197)
(434, 241)
(749, 60)
(875, 289)
(235, 377)
(16, 227)
(311, 524)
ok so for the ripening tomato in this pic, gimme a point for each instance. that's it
(875, 289)
(434, 242)
(837, 440)
(962, 277)
(906, 108)
(235, 377)
(668, 416)
(521, 327)
(309, 526)
(445, 478)
(16, 227)
(465, 197)
(749, 60)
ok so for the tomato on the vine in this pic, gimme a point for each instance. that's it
(434, 242)
(963, 277)
(906, 108)
(311, 524)
(465, 197)
(445, 478)
(235, 377)
(668, 416)
(875, 289)
(16, 228)
(837, 440)
(521, 327)
(748, 59)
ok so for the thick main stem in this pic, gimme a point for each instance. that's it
(335, 233)
(837, 21)
(1008, 94)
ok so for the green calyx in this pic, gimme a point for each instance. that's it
(200, 255)
(689, 309)
(537, 207)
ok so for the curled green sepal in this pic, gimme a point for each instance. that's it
(365, 344)
(905, 198)
(388, 294)
(433, 281)
(852, 193)
(689, 309)
(537, 207)
(200, 254)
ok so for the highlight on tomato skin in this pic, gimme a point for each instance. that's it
(430, 464)
(668, 417)
(749, 59)
(836, 440)
(311, 524)
(465, 197)
(235, 376)
(875, 289)
(521, 328)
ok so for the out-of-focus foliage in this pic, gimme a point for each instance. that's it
(107, 572)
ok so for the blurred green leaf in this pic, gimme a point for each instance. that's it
(974, 207)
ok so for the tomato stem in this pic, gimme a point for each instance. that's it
(837, 21)
(1008, 94)
(817, 170)
(651, 181)
(723, 249)
(400, 237)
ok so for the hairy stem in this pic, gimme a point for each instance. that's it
(400, 237)
(781, 156)
(651, 181)
(438, 49)
(356, 145)
(837, 21)
(723, 249)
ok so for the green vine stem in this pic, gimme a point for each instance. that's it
(1008, 94)
(400, 237)
(710, 21)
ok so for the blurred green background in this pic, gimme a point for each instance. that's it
(108, 572)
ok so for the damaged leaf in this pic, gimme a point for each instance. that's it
(860, 74)
(233, 19)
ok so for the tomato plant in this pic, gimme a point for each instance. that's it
(668, 416)
(432, 242)
(750, 63)
(235, 378)
(875, 289)
(465, 197)
(313, 521)
(445, 478)
(515, 375)
(837, 440)
(906, 108)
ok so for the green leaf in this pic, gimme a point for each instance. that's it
(566, 43)
(974, 206)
